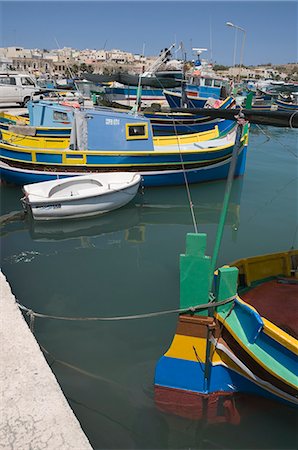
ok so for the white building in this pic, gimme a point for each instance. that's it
(5, 63)
(16, 52)
(120, 56)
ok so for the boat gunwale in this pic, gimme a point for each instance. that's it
(82, 196)
(119, 152)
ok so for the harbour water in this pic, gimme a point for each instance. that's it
(127, 263)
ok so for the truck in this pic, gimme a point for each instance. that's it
(17, 87)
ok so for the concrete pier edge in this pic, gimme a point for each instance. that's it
(34, 414)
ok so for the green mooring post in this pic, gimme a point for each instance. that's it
(248, 102)
(225, 286)
(194, 272)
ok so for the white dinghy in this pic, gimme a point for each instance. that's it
(80, 196)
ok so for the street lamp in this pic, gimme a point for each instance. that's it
(230, 24)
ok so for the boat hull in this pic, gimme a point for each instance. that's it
(286, 106)
(129, 95)
(159, 174)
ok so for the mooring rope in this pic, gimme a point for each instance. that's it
(286, 147)
(191, 205)
(32, 314)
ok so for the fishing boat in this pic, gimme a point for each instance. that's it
(246, 343)
(201, 84)
(128, 95)
(165, 123)
(197, 96)
(53, 119)
(110, 141)
(80, 196)
(287, 102)
(127, 88)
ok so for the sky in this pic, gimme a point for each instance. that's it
(270, 27)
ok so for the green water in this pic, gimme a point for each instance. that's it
(127, 263)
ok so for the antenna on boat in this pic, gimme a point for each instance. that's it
(198, 52)
(210, 38)
(184, 100)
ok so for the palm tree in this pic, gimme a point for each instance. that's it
(83, 67)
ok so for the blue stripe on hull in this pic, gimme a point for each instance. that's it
(156, 178)
(53, 133)
(175, 101)
(195, 175)
(166, 129)
(188, 375)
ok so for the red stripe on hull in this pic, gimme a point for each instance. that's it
(218, 407)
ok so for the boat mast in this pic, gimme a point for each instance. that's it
(151, 71)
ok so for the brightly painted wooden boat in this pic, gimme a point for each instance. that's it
(23, 136)
(114, 141)
(8, 120)
(127, 95)
(48, 119)
(245, 343)
(173, 123)
(287, 105)
(12, 119)
(15, 137)
(196, 95)
(81, 196)
(193, 99)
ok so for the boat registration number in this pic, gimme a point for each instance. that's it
(56, 206)
(112, 122)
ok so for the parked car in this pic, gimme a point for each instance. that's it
(17, 87)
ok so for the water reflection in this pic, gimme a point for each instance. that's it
(127, 262)
(153, 206)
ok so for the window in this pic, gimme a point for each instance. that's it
(4, 80)
(8, 80)
(208, 82)
(217, 83)
(27, 81)
(60, 116)
(136, 131)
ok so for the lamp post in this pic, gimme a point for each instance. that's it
(230, 24)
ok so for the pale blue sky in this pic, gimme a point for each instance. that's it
(271, 27)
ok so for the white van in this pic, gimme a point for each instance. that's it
(17, 87)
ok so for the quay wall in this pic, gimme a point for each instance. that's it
(34, 414)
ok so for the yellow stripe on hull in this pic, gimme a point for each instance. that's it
(187, 138)
(26, 149)
(19, 119)
(40, 142)
(190, 348)
(21, 140)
